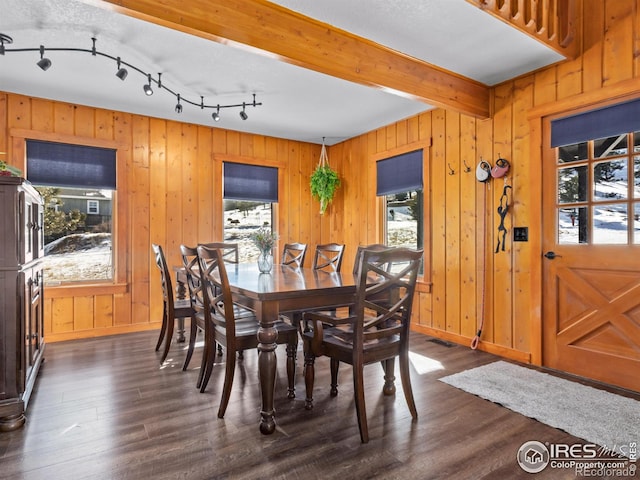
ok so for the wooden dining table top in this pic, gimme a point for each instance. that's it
(286, 284)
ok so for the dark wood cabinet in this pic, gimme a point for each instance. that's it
(21, 297)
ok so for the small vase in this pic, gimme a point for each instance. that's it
(265, 261)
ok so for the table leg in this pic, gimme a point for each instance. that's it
(267, 336)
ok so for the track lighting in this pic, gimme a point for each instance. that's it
(122, 71)
(243, 114)
(148, 91)
(4, 38)
(43, 63)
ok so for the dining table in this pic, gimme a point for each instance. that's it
(284, 289)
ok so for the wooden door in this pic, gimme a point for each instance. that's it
(591, 259)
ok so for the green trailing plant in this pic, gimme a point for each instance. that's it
(324, 182)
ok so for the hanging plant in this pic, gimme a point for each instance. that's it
(324, 181)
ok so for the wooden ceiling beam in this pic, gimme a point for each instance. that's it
(280, 33)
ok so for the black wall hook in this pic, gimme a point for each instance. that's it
(467, 168)
(451, 170)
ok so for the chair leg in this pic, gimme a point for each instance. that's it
(291, 367)
(309, 378)
(406, 384)
(170, 323)
(193, 331)
(389, 376)
(334, 377)
(163, 328)
(208, 358)
(361, 411)
(228, 382)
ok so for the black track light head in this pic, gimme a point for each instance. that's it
(4, 39)
(216, 115)
(122, 72)
(178, 105)
(43, 63)
(243, 114)
(148, 91)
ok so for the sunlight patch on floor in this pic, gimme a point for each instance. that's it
(424, 364)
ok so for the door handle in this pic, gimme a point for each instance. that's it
(551, 255)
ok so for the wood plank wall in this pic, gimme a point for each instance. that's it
(466, 274)
(171, 192)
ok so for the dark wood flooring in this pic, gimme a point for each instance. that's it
(104, 408)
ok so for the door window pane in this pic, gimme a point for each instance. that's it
(610, 146)
(610, 180)
(572, 226)
(573, 153)
(610, 224)
(572, 184)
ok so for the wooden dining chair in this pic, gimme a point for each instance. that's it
(234, 334)
(172, 309)
(328, 257)
(230, 252)
(376, 328)
(293, 254)
(194, 284)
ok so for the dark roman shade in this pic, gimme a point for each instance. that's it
(250, 182)
(74, 166)
(398, 174)
(599, 123)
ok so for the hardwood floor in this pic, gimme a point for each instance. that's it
(105, 409)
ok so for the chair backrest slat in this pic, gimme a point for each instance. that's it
(328, 257)
(293, 254)
(386, 281)
(229, 251)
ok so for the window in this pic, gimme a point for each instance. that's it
(77, 184)
(93, 207)
(598, 176)
(249, 194)
(399, 181)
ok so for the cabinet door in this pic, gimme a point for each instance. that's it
(33, 322)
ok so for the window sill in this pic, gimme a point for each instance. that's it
(85, 290)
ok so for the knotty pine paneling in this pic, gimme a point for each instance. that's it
(169, 192)
(467, 282)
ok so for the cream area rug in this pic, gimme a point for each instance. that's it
(594, 415)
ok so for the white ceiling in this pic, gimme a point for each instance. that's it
(297, 104)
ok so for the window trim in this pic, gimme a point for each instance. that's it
(425, 278)
(18, 138)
